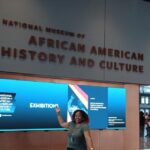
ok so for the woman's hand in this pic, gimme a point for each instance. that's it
(60, 119)
(57, 109)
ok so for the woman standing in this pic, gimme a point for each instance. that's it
(79, 137)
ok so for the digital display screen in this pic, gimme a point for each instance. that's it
(30, 105)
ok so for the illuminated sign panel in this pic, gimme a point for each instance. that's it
(30, 105)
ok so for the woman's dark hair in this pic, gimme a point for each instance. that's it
(85, 117)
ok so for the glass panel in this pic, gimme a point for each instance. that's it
(146, 100)
(142, 100)
(147, 111)
(145, 89)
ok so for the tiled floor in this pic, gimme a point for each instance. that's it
(145, 142)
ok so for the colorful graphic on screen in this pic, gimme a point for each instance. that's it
(77, 99)
(30, 105)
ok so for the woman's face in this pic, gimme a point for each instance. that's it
(78, 117)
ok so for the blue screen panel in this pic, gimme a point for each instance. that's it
(30, 105)
(116, 107)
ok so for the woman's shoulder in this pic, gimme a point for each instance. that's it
(71, 123)
(85, 125)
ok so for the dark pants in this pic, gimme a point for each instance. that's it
(70, 149)
(141, 131)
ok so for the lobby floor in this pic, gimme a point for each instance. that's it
(145, 142)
